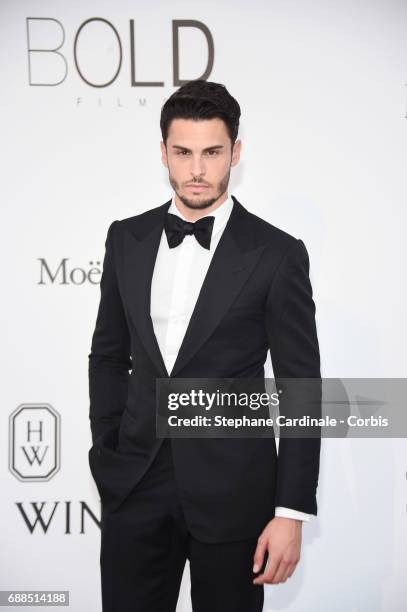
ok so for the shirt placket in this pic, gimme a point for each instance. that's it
(178, 308)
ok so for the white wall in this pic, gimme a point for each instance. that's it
(322, 87)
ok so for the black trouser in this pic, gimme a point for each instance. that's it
(144, 546)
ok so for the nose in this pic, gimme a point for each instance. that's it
(197, 166)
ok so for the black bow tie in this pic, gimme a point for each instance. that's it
(176, 229)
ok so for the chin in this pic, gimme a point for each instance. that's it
(198, 202)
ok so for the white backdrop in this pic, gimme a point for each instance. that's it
(322, 88)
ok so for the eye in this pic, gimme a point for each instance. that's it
(213, 151)
(182, 152)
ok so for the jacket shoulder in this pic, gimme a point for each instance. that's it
(276, 239)
(270, 231)
(139, 225)
(144, 217)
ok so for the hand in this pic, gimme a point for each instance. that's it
(281, 537)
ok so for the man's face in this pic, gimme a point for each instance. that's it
(198, 157)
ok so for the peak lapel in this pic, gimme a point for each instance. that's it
(232, 263)
(140, 252)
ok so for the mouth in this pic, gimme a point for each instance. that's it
(197, 187)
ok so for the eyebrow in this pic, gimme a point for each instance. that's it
(190, 151)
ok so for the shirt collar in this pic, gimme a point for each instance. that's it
(221, 213)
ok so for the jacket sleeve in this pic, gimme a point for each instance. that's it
(109, 359)
(294, 351)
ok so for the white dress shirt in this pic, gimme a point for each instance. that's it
(177, 279)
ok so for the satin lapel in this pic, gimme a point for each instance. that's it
(231, 265)
(140, 252)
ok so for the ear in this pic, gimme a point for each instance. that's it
(164, 154)
(237, 147)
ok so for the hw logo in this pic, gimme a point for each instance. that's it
(34, 442)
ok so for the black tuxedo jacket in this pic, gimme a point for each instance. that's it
(256, 296)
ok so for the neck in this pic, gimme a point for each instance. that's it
(195, 214)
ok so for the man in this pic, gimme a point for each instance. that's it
(198, 287)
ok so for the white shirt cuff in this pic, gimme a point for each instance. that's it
(290, 513)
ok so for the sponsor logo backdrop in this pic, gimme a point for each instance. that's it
(322, 86)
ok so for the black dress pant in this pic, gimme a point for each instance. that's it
(145, 543)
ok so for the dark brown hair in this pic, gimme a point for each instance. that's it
(201, 100)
